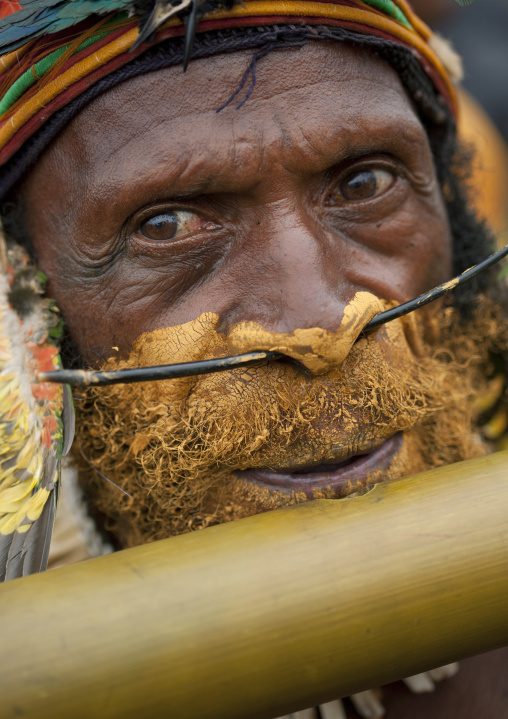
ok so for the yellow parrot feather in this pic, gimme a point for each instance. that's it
(36, 419)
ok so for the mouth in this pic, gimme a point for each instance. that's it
(344, 477)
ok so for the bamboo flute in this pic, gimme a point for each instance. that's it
(271, 614)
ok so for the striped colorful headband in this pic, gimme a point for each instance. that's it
(46, 73)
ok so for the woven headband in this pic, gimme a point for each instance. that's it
(47, 73)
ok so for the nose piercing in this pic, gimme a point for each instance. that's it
(87, 378)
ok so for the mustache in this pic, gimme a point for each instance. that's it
(250, 418)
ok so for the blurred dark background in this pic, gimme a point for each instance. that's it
(480, 34)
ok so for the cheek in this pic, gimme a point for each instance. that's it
(86, 299)
(405, 253)
(106, 308)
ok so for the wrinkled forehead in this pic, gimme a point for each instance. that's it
(307, 105)
(172, 93)
(52, 68)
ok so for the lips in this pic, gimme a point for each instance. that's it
(342, 477)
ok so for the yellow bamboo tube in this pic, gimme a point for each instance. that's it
(270, 614)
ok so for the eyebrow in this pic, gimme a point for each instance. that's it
(177, 176)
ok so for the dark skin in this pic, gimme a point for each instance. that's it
(262, 191)
(321, 185)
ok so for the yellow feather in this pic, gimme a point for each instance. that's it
(27, 451)
(6, 388)
(36, 504)
(8, 523)
(11, 497)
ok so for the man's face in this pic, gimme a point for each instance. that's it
(152, 208)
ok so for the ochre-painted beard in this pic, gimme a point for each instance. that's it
(174, 445)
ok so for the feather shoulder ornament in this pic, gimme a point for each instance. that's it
(36, 419)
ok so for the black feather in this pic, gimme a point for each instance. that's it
(13, 550)
(23, 553)
(68, 420)
(191, 23)
(189, 11)
(36, 548)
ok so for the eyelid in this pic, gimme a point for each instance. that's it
(358, 165)
(132, 227)
(174, 224)
(382, 162)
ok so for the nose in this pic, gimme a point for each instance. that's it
(319, 350)
(290, 276)
(296, 297)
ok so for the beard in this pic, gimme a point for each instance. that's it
(179, 447)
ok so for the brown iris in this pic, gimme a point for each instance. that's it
(171, 224)
(161, 227)
(364, 184)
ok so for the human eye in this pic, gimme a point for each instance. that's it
(362, 184)
(170, 225)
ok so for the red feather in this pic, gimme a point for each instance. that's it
(7, 7)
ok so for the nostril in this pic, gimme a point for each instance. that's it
(317, 349)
